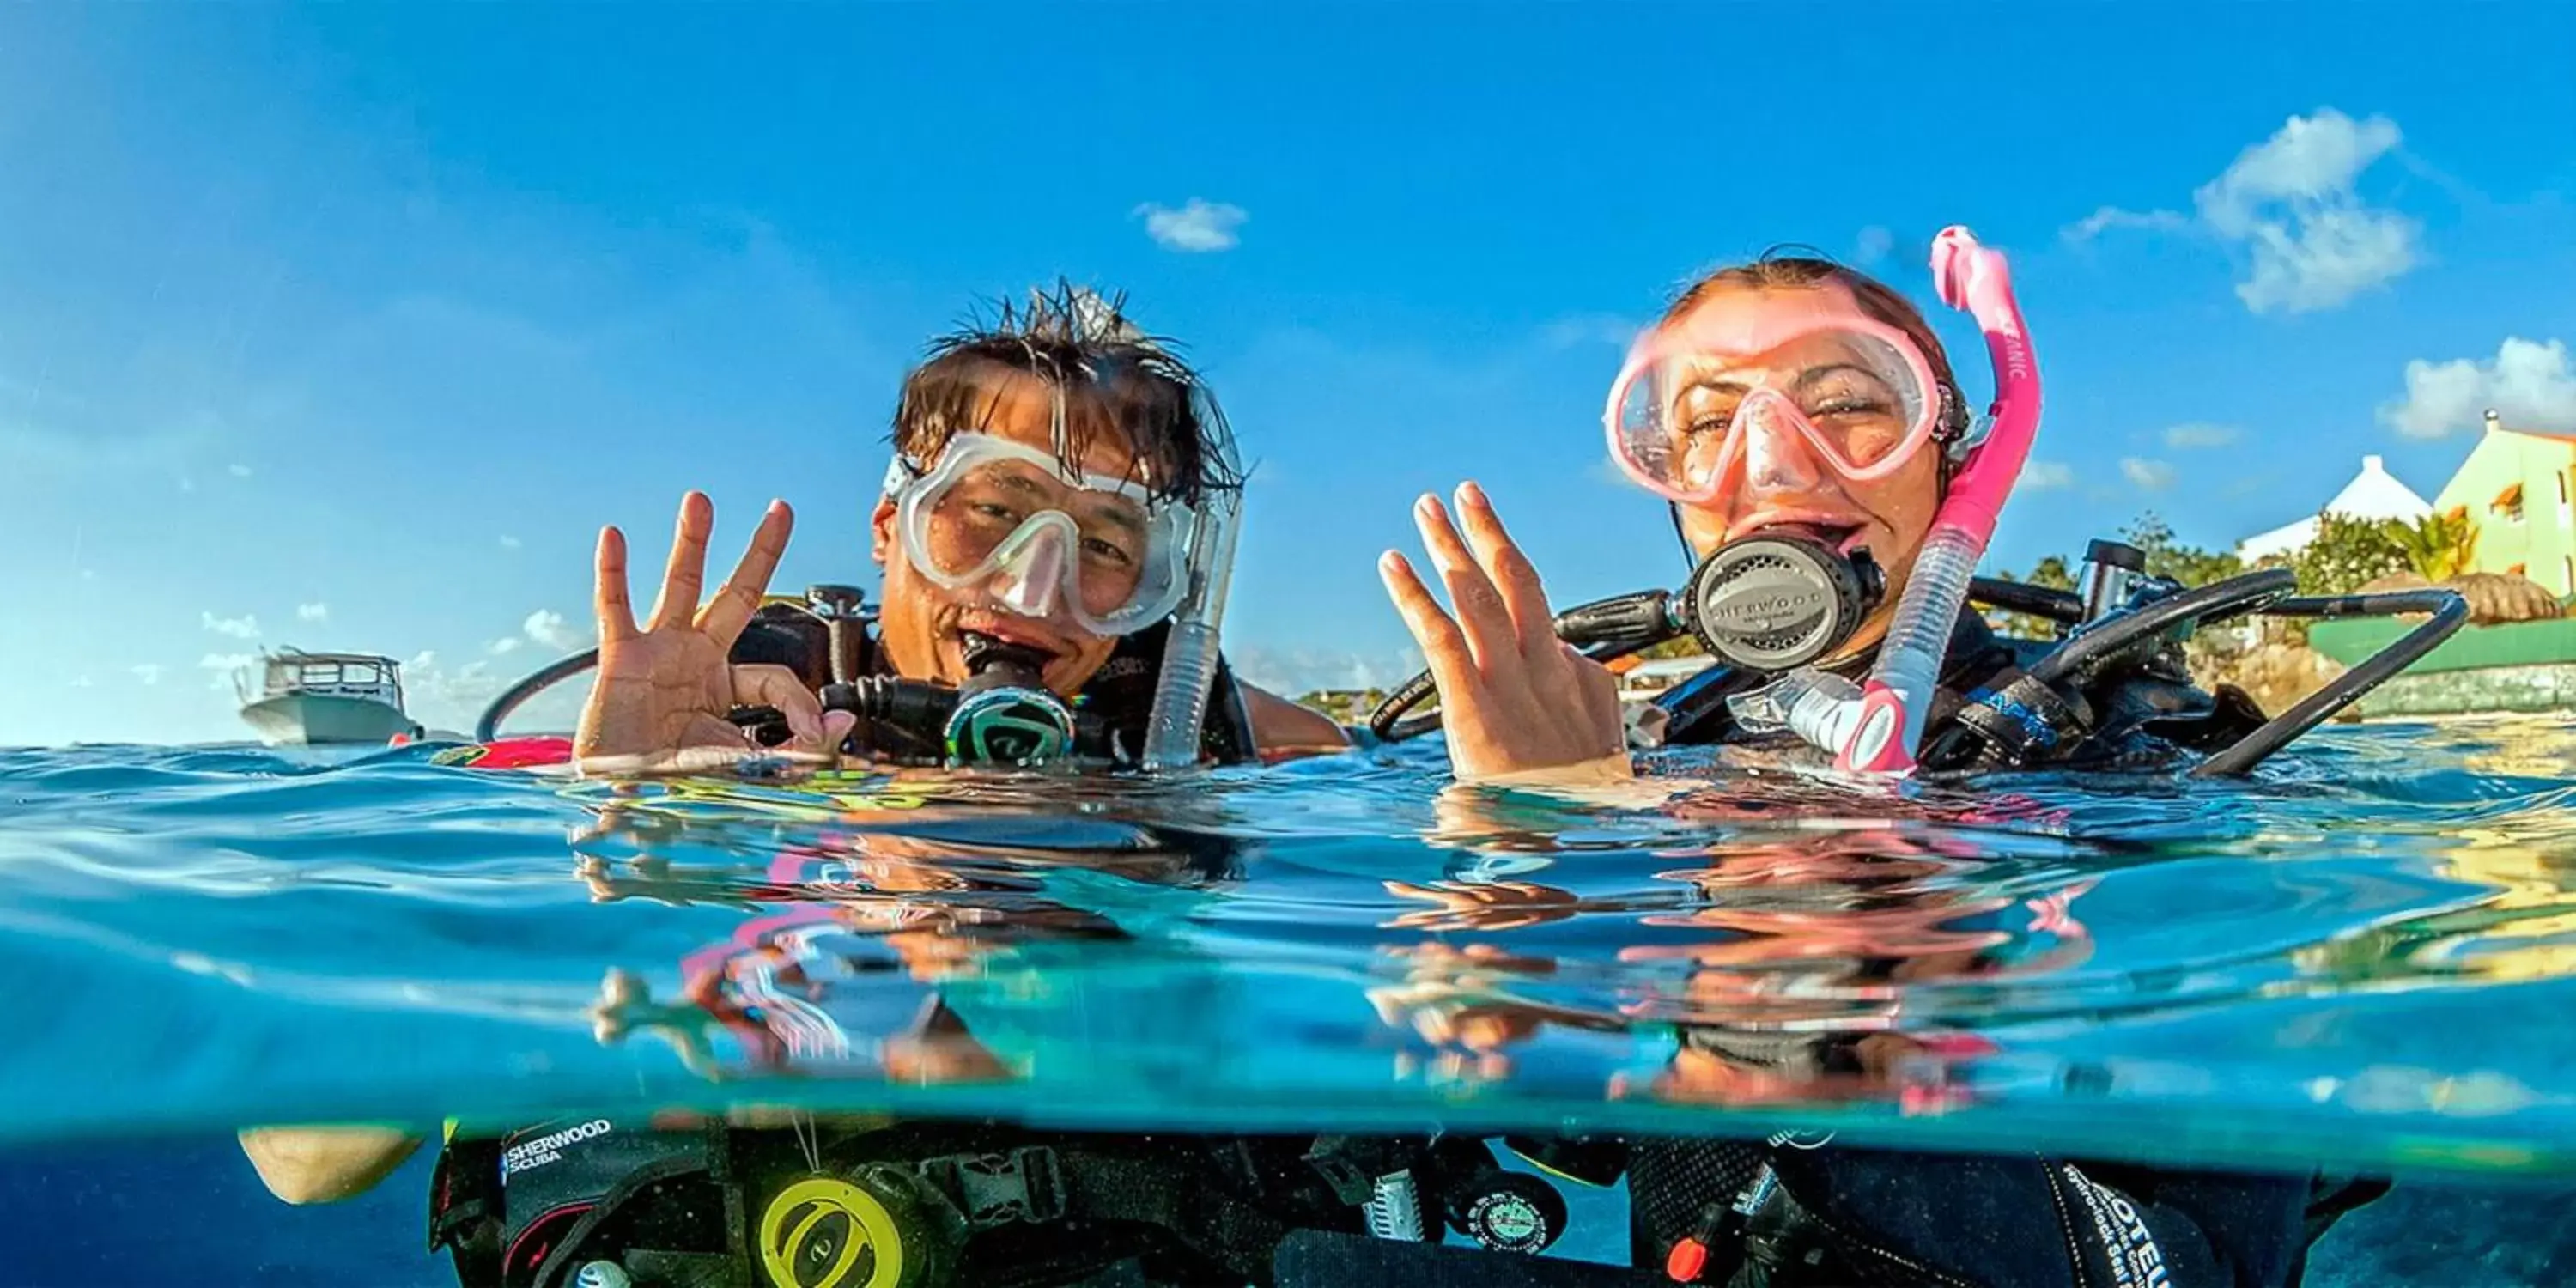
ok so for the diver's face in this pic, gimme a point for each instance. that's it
(922, 625)
(1783, 480)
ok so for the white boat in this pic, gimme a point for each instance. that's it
(297, 698)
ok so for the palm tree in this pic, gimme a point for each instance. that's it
(2438, 546)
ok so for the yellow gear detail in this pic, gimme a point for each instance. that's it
(811, 1201)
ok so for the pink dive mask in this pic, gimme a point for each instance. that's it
(1696, 397)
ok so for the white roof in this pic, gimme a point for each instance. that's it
(2373, 494)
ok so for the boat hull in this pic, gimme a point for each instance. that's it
(305, 719)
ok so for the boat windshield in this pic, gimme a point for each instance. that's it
(347, 677)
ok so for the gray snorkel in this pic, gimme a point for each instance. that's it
(1190, 655)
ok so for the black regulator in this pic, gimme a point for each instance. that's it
(1002, 715)
(1779, 600)
(1774, 601)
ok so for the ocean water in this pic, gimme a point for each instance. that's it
(2358, 961)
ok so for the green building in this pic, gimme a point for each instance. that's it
(2514, 487)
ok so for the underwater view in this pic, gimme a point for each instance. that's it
(2357, 963)
(1298, 646)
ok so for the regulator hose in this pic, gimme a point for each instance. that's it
(2450, 611)
(487, 727)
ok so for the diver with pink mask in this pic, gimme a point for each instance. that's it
(1834, 489)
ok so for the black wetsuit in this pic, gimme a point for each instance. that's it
(1842, 1215)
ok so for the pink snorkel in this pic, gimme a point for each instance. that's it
(1876, 728)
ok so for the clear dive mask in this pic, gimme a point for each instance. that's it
(1698, 400)
(1041, 540)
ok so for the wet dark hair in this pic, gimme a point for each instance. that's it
(1118, 385)
(1798, 267)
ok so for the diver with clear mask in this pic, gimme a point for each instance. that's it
(1056, 533)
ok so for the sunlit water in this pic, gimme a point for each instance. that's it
(2359, 960)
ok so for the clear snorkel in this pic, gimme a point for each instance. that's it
(1190, 653)
(1877, 727)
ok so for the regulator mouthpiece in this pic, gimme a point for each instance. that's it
(1005, 714)
(1780, 599)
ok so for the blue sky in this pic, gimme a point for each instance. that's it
(346, 327)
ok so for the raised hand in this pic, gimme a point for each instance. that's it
(1514, 698)
(662, 691)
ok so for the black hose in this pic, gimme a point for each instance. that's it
(2245, 593)
(1388, 721)
(1603, 629)
(2019, 597)
(1623, 624)
(2449, 611)
(488, 725)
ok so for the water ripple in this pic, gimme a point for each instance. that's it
(2363, 954)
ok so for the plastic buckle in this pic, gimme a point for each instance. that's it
(998, 1189)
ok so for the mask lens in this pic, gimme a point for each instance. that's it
(1683, 413)
(1859, 395)
(1003, 514)
(977, 515)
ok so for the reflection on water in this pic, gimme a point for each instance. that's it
(2362, 959)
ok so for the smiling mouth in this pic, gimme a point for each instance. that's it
(1002, 628)
(1837, 536)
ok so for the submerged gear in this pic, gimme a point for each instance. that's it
(1706, 397)
(1789, 1214)
(924, 1206)
(1042, 539)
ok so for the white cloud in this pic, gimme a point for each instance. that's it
(244, 627)
(2290, 204)
(2530, 385)
(509, 542)
(2110, 217)
(2153, 476)
(80, 682)
(223, 665)
(1872, 246)
(548, 627)
(1197, 227)
(505, 644)
(149, 673)
(312, 612)
(2043, 476)
(2198, 434)
(1587, 329)
(238, 471)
